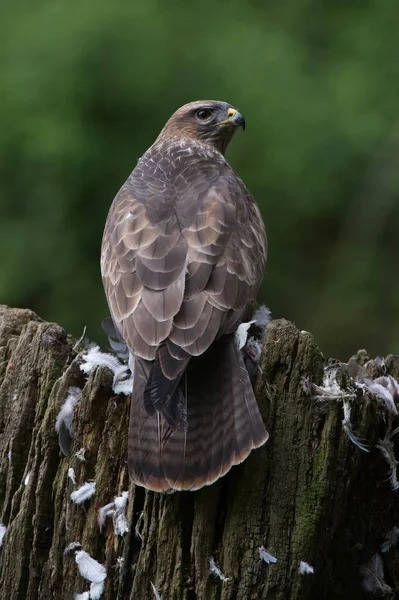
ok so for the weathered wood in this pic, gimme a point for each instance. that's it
(309, 494)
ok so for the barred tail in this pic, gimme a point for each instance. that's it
(223, 423)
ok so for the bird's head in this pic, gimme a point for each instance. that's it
(207, 121)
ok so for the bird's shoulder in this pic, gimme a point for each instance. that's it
(178, 184)
(178, 171)
(177, 161)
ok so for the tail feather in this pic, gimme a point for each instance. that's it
(161, 387)
(223, 424)
(145, 435)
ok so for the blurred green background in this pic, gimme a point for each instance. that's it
(86, 86)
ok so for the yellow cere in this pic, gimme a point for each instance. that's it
(231, 112)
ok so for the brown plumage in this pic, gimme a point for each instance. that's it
(183, 254)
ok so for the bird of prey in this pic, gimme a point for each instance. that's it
(183, 254)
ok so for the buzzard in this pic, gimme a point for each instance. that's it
(183, 254)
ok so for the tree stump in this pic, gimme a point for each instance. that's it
(308, 495)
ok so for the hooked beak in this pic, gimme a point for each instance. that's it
(234, 118)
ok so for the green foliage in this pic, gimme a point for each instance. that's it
(86, 86)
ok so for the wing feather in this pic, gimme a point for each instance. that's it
(191, 311)
(151, 330)
(185, 336)
(164, 304)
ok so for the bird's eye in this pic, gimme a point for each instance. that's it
(203, 114)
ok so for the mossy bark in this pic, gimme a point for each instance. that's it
(309, 494)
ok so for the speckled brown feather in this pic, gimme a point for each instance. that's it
(183, 255)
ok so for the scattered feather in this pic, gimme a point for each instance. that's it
(80, 454)
(63, 424)
(121, 501)
(254, 349)
(85, 492)
(80, 340)
(121, 525)
(373, 576)
(266, 556)
(156, 593)
(117, 343)
(305, 568)
(385, 389)
(71, 475)
(84, 596)
(329, 390)
(26, 480)
(242, 334)
(124, 387)
(119, 348)
(9, 457)
(89, 568)
(14, 397)
(215, 571)
(347, 427)
(72, 547)
(262, 316)
(65, 415)
(386, 448)
(3, 530)
(380, 362)
(92, 571)
(137, 531)
(119, 562)
(95, 358)
(116, 510)
(96, 590)
(308, 386)
(391, 539)
(103, 513)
